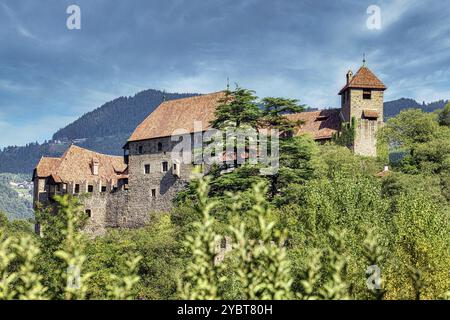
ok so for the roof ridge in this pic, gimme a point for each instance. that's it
(88, 150)
(193, 97)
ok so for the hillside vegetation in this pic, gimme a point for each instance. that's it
(325, 226)
(16, 201)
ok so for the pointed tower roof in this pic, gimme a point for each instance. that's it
(364, 79)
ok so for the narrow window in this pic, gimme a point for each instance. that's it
(77, 188)
(89, 213)
(153, 193)
(165, 166)
(103, 188)
(90, 189)
(160, 146)
(367, 94)
(174, 167)
(147, 169)
(141, 150)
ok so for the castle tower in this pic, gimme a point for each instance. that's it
(362, 98)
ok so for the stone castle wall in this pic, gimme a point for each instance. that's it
(154, 191)
(366, 129)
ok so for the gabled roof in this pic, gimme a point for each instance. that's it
(364, 79)
(75, 165)
(178, 114)
(46, 166)
(182, 113)
(321, 124)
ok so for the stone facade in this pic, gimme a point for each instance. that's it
(105, 209)
(366, 128)
(154, 178)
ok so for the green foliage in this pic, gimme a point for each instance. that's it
(410, 127)
(238, 108)
(444, 116)
(262, 266)
(425, 143)
(201, 277)
(122, 287)
(71, 252)
(158, 270)
(420, 244)
(346, 136)
(264, 270)
(375, 255)
(274, 114)
(18, 278)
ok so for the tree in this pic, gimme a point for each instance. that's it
(239, 108)
(275, 111)
(425, 144)
(409, 128)
(444, 116)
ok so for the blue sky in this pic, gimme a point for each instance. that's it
(50, 75)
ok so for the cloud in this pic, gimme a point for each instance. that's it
(299, 49)
(17, 23)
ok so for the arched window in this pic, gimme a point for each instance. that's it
(160, 146)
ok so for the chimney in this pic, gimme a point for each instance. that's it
(349, 76)
(95, 165)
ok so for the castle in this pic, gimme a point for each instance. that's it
(122, 191)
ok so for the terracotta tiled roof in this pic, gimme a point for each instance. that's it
(178, 114)
(320, 124)
(46, 166)
(364, 79)
(75, 165)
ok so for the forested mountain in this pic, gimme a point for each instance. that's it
(121, 115)
(105, 130)
(392, 108)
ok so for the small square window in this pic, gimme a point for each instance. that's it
(141, 150)
(103, 188)
(165, 166)
(153, 193)
(367, 94)
(90, 189)
(89, 213)
(147, 169)
(77, 188)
